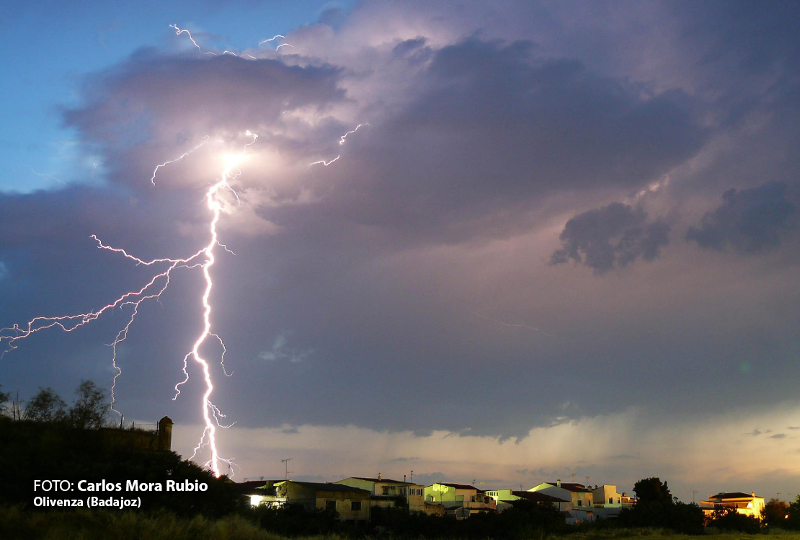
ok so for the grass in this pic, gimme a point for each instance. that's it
(16, 524)
(92, 524)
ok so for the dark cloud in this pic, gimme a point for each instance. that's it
(748, 221)
(489, 128)
(778, 436)
(611, 236)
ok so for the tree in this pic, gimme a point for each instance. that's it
(775, 512)
(652, 490)
(89, 409)
(793, 521)
(45, 406)
(3, 398)
(728, 519)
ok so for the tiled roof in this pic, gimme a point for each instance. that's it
(387, 480)
(570, 486)
(733, 495)
(459, 486)
(537, 496)
(324, 486)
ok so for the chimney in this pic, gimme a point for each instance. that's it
(558, 482)
(379, 476)
(752, 493)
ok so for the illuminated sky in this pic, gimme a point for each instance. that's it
(567, 242)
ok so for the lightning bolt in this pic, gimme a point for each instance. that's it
(342, 140)
(323, 162)
(511, 325)
(152, 290)
(155, 171)
(273, 38)
(179, 31)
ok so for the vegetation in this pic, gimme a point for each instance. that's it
(53, 441)
(16, 523)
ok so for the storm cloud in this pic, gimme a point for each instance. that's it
(749, 221)
(611, 236)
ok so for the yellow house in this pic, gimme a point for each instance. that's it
(748, 505)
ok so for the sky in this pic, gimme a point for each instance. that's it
(562, 244)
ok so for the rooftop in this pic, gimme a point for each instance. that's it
(733, 495)
(459, 486)
(325, 486)
(570, 486)
(537, 496)
(384, 480)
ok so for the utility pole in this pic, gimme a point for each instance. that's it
(693, 492)
(286, 463)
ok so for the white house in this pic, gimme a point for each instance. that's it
(748, 505)
(385, 492)
(581, 499)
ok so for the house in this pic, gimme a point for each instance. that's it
(459, 500)
(386, 492)
(352, 504)
(261, 493)
(748, 505)
(581, 499)
(505, 497)
(607, 501)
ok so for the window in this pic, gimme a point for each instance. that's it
(580, 502)
(355, 505)
(611, 500)
(385, 490)
(330, 505)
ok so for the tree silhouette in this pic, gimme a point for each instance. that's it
(652, 490)
(45, 406)
(89, 409)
